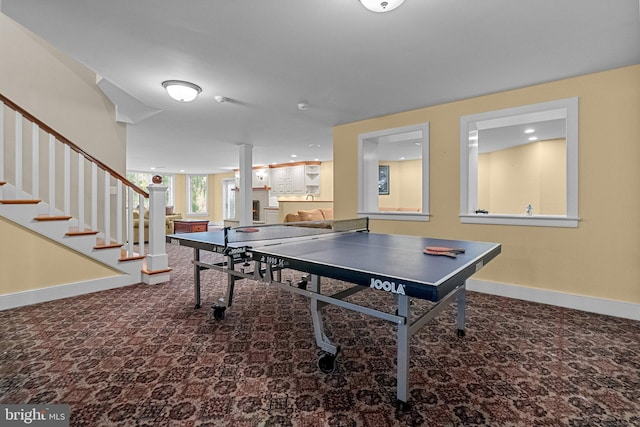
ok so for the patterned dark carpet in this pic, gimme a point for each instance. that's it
(143, 356)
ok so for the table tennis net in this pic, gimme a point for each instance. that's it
(293, 230)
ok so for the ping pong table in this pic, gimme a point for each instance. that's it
(344, 250)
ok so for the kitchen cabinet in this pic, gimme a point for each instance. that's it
(288, 180)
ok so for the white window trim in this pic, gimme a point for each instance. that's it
(363, 168)
(396, 216)
(468, 180)
(225, 197)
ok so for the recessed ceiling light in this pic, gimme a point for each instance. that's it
(533, 138)
(294, 155)
(530, 130)
(401, 158)
(303, 106)
(181, 170)
(152, 168)
(316, 160)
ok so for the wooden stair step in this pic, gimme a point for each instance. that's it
(101, 244)
(109, 246)
(124, 257)
(20, 202)
(145, 270)
(151, 273)
(52, 218)
(131, 258)
(72, 233)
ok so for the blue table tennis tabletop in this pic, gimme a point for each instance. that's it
(360, 257)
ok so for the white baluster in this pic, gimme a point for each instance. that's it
(2, 136)
(94, 196)
(52, 175)
(130, 220)
(119, 212)
(141, 216)
(67, 180)
(81, 222)
(18, 155)
(107, 207)
(35, 161)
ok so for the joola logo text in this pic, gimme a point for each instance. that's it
(387, 286)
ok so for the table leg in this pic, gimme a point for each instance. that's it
(460, 317)
(231, 280)
(318, 327)
(196, 276)
(402, 380)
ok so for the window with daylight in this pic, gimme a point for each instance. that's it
(197, 194)
(229, 198)
(143, 179)
(519, 166)
(393, 173)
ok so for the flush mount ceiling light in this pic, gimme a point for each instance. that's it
(381, 5)
(181, 91)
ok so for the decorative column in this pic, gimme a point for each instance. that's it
(245, 196)
(157, 261)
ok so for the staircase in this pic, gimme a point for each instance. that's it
(55, 189)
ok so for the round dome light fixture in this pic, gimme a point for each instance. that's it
(181, 91)
(381, 5)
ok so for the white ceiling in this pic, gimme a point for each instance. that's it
(345, 62)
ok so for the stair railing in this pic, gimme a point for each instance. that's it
(102, 202)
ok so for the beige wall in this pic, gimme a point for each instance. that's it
(215, 195)
(180, 194)
(534, 173)
(63, 94)
(41, 263)
(570, 260)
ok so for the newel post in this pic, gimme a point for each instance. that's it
(157, 261)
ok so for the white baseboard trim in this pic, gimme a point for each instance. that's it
(35, 296)
(578, 302)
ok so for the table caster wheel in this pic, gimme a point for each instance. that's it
(460, 333)
(402, 406)
(218, 312)
(302, 284)
(327, 363)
